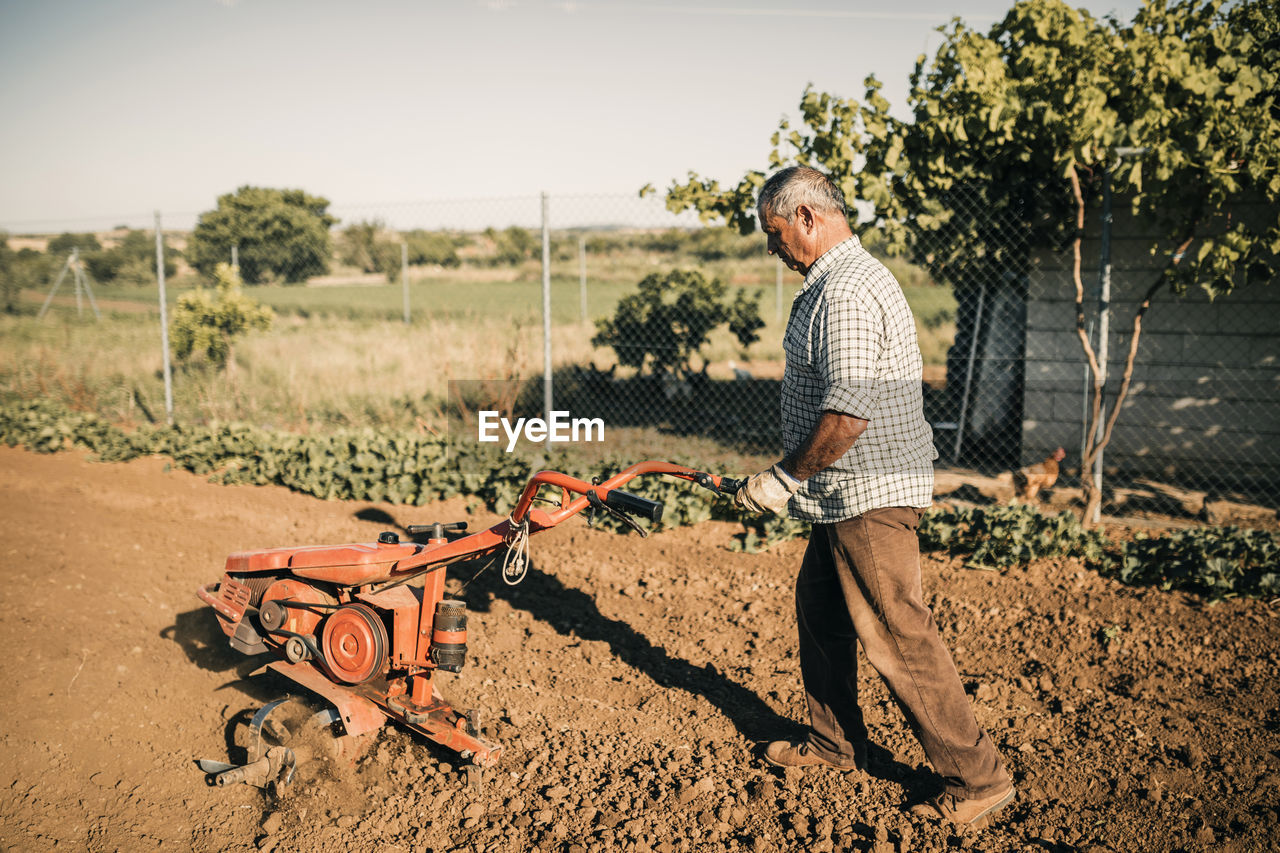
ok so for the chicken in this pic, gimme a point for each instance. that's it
(1030, 480)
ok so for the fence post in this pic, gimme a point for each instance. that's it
(777, 286)
(404, 277)
(546, 315)
(582, 277)
(968, 376)
(164, 319)
(1104, 332)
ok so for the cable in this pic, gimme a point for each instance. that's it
(515, 565)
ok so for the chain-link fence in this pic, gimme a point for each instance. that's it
(1201, 415)
(516, 290)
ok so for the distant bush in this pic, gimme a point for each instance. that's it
(704, 244)
(131, 261)
(206, 323)
(668, 242)
(65, 242)
(512, 246)
(358, 245)
(370, 247)
(719, 244)
(25, 268)
(666, 322)
(434, 248)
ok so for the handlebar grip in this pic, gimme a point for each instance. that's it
(634, 505)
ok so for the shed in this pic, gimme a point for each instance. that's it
(1204, 403)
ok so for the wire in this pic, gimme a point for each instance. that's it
(515, 565)
(478, 573)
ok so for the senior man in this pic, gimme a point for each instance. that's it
(859, 466)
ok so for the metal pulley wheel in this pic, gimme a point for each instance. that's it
(273, 615)
(354, 642)
(296, 651)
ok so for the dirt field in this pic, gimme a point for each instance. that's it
(630, 680)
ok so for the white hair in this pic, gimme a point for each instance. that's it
(786, 190)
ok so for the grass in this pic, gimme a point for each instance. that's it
(340, 355)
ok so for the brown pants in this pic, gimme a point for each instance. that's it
(860, 582)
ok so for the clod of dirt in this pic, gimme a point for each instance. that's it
(272, 824)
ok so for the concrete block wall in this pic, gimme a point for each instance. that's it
(1204, 403)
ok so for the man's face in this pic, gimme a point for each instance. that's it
(792, 241)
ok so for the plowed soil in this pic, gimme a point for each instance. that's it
(631, 681)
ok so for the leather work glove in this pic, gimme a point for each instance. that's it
(768, 491)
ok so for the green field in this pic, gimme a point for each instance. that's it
(339, 353)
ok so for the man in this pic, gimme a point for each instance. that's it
(859, 465)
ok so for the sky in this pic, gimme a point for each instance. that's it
(113, 109)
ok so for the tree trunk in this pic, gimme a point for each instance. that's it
(1094, 445)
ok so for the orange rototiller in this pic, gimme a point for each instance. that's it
(365, 627)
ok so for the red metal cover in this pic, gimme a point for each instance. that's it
(320, 556)
(363, 554)
(396, 598)
(257, 561)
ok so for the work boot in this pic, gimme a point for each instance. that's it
(975, 812)
(790, 753)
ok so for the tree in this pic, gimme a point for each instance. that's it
(10, 282)
(1032, 117)
(512, 245)
(25, 268)
(132, 260)
(373, 248)
(66, 241)
(432, 247)
(279, 235)
(666, 322)
(358, 245)
(206, 323)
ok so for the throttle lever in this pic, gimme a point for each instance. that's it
(730, 486)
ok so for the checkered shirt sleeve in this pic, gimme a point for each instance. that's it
(851, 347)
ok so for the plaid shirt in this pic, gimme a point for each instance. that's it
(851, 347)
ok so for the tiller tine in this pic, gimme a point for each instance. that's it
(210, 766)
(276, 766)
(270, 761)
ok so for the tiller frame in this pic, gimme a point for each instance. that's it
(351, 629)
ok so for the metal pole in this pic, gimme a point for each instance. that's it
(546, 315)
(1087, 379)
(1104, 328)
(777, 286)
(77, 281)
(66, 266)
(235, 257)
(968, 375)
(88, 291)
(404, 277)
(582, 277)
(164, 321)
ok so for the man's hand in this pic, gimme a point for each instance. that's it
(768, 491)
